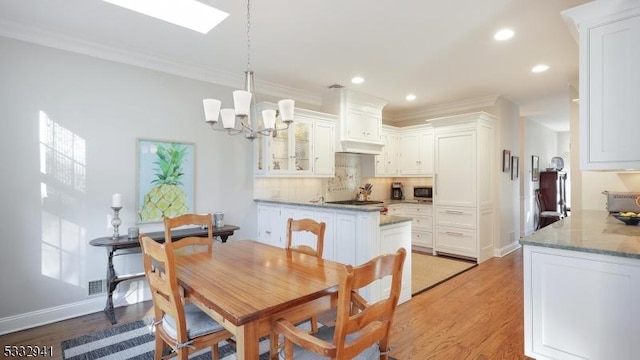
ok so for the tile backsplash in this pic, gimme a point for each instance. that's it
(345, 185)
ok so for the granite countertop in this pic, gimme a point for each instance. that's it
(392, 219)
(589, 231)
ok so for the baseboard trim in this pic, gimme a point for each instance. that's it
(58, 313)
(506, 250)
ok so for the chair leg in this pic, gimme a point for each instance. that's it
(384, 348)
(159, 348)
(215, 352)
(183, 354)
(314, 324)
(274, 345)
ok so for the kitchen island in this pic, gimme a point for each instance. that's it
(354, 234)
(582, 289)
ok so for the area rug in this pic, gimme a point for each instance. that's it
(429, 271)
(136, 341)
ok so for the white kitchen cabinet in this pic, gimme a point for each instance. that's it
(324, 144)
(609, 41)
(345, 233)
(464, 167)
(306, 149)
(456, 241)
(393, 237)
(421, 225)
(580, 305)
(359, 120)
(416, 151)
(270, 228)
(289, 152)
(387, 162)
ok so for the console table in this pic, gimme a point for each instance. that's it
(124, 246)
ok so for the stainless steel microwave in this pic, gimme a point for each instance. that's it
(422, 192)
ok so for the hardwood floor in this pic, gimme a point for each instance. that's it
(476, 315)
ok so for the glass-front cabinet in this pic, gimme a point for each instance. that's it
(290, 150)
(298, 150)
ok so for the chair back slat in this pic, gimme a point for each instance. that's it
(204, 220)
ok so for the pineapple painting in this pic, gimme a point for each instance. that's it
(163, 191)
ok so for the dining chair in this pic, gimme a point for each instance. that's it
(316, 228)
(545, 217)
(203, 220)
(179, 325)
(362, 328)
(300, 226)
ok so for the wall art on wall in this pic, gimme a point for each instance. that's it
(535, 169)
(506, 160)
(515, 167)
(165, 179)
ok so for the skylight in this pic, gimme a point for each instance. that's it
(189, 14)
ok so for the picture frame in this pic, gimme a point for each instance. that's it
(506, 160)
(515, 165)
(165, 179)
(535, 169)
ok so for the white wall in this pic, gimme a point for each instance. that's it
(509, 190)
(46, 259)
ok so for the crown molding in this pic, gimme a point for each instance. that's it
(443, 109)
(59, 41)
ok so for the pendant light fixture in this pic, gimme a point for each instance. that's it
(240, 119)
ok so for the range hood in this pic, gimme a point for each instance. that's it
(359, 120)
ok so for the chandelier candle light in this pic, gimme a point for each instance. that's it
(116, 205)
(243, 101)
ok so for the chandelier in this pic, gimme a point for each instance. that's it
(240, 119)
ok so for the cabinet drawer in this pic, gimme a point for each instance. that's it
(456, 241)
(414, 210)
(456, 217)
(422, 223)
(395, 210)
(422, 238)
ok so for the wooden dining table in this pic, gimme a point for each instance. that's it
(246, 285)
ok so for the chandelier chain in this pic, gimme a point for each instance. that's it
(248, 35)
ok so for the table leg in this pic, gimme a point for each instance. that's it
(224, 238)
(247, 341)
(111, 286)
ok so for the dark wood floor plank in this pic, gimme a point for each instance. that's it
(476, 315)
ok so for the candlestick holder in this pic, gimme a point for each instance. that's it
(115, 222)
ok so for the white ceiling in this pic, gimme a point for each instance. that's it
(443, 51)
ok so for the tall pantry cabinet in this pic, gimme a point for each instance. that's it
(464, 168)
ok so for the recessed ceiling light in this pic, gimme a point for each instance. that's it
(410, 97)
(504, 34)
(357, 80)
(540, 68)
(189, 14)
